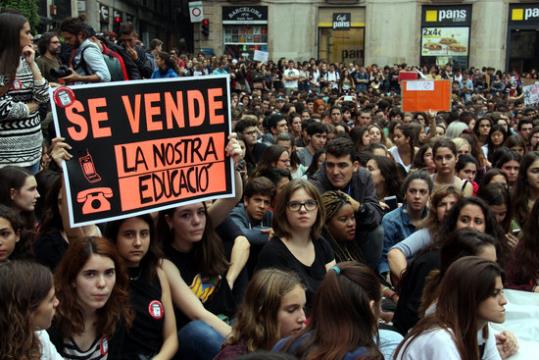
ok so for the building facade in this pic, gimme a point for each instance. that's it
(498, 33)
(152, 18)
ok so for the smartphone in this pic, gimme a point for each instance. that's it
(348, 98)
(391, 201)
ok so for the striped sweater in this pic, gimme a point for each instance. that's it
(20, 131)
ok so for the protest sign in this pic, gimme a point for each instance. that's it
(531, 94)
(407, 75)
(261, 56)
(142, 146)
(426, 95)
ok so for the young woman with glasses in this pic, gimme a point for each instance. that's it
(297, 246)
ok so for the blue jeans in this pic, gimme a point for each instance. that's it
(199, 341)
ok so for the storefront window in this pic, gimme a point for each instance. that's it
(523, 37)
(342, 46)
(245, 30)
(341, 34)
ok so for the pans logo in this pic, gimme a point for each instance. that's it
(524, 14)
(457, 15)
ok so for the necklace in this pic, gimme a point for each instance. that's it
(134, 273)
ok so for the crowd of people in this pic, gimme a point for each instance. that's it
(357, 231)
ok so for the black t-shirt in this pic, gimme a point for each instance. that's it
(411, 290)
(146, 334)
(213, 291)
(275, 254)
(50, 248)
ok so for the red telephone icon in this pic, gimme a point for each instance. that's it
(95, 200)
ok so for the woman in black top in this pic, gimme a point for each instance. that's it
(297, 245)
(153, 334)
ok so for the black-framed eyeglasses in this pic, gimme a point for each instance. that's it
(296, 205)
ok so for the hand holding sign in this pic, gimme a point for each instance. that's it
(59, 151)
(233, 149)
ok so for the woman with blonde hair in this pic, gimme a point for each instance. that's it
(272, 309)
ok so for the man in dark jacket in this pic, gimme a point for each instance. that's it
(341, 171)
(128, 40)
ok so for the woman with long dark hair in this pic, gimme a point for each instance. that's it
(405, 138)
(91, 284)
(470, 213)
(166, 66)
(28, 305)
(11, 227)
(495, 140)
(18, 190)
(508, 162)
(423, 159)
(465, 307)
(344, 320)
(386, 178)
(482, 129)
(466, 169)
(153, 333)
(22, 90)
(526, 189)
(442, 200)
(445, 159)
(275, 156)
(522, 268)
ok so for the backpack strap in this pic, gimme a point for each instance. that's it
(82, 63)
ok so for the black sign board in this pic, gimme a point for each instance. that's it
(104, 13)
(245, 14)
(523, 14)
(341, 21)
(451, 15)
(141, 146)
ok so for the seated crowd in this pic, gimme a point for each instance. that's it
(356, 231)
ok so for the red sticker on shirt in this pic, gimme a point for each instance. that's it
(63, 96)
(104, 346)
(156, 310)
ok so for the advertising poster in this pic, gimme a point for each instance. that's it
(142, 146)
(444, 41)
(531, 94)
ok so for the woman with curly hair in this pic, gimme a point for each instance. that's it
(272, 309)
(28, 305)
(340, 225)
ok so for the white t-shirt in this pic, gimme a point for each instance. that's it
(48, 350)
(291, 84)
(438, 344)
(397, 157)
